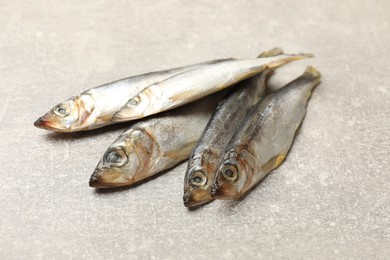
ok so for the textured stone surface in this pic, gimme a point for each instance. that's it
(331, 198)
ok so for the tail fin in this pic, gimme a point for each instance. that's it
(272, 52)
(306, 55)
(286, 58)
(312, 71)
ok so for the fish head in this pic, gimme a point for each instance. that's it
(234, 174)
(67, 116)
(198, 180)
(128, 160)
(197, 188)
(110, 170)
(134, 108)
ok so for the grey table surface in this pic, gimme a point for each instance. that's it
(330, 199)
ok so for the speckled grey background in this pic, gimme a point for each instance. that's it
(330, 199)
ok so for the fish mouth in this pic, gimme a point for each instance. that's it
(123, 115)
(107, 179)
(196, 198)
(41, 123)
(46, 124)
(97, 183)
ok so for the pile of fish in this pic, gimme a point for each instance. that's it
(217, 114)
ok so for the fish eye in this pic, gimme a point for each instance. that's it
(230, 172)
(135, 100)
(115, 157)
(198, 178)
(62, 110)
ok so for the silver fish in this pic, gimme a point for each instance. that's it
(263, 141)
(207, 154)
(195, 84)
(153, 145)
(95, 107)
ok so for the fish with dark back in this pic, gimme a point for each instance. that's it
(261, 144)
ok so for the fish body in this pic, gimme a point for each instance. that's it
(263, 141)
(95, 107)
(206, 156)
(195, 84)
(153, 145)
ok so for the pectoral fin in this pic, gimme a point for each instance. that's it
(273, 163)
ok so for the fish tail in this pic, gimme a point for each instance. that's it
(272, 52)
(288, 58)
(305, 55)
(312, 71)
(310, 78)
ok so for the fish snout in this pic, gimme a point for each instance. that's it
(117, 117)
(40, 123)
(50, 123)
(106, 179)
(187, 199)
(122, 115)
(95, 181)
